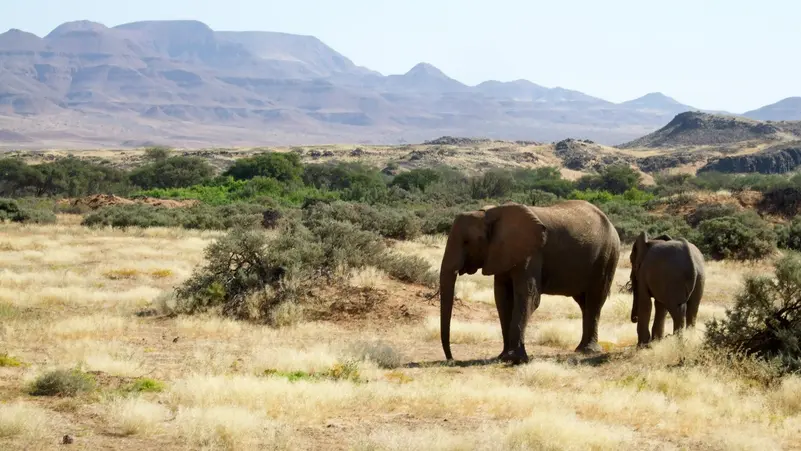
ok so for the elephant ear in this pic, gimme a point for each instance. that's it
(638, 251)
(513, 233)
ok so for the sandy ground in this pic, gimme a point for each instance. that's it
(70, 296)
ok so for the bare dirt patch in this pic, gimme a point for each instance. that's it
(96, 201)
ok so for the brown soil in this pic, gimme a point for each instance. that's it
(690, 202)
(102, 200)
(391, 305)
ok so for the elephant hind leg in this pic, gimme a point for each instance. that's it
(678, 313)
(695, 301)
(592, 303)
(504, 302)
(660, 313)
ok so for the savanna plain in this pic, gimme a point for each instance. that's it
(73, 297)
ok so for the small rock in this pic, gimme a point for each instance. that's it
(67, 440)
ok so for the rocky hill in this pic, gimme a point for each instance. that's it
(183, 84)
(774, 160)
(690, 129)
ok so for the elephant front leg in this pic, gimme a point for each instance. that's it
(526, 300)
(643, 315)
(504, 302)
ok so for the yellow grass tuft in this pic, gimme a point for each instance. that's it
(464, 332)
(136, 416)
(20, 419)
(565, 431)
(97, 325)
(230, 428)
(122, 273)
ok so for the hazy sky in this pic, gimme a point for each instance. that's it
(733, 55)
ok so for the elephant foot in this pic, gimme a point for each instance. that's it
(515, 357)
(589, 348)
(644, 345)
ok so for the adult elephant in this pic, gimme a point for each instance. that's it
(672, 273)
(568, 249)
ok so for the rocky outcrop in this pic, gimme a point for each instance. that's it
(578, 155)
(656, 163)
(455, 141)
(702, 129)
(775, 160)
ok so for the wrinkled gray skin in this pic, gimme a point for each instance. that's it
(567, 249)
(672, 273)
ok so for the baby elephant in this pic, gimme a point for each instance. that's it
(672, 272)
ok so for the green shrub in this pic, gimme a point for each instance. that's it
(789, 235)
(10, 210)
(62, 383)
(540, 198)
(172, 172)
(146, 385)
(493, 184)
(417, 179)
(157, 153)
(710, 211)
(389, 222)
(73, 177)
(29, 216)
(203, 217)
(9, 361)
(744, 236)
(615, 178)
(133, 215)
(548, 179)
(630, 220)
(225, 190)
(438, 220)
(18, 178)
(282, 166)
(715, 181)
(765, 320)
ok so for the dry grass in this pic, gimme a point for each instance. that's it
(233, 385)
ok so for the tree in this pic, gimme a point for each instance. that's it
(282, 166)
(172, 172)
(615, 178)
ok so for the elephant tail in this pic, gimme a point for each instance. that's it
(690, 274)
(609, 268)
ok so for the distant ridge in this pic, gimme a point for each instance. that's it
(788, 109)
(179, 82)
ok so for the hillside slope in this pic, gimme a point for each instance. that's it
(703, 129)
(788, 109)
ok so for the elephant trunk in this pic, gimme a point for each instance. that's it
(447, 281)
(634, 316)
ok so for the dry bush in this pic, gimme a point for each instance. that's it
(62, 383)
(249, 275)
(765, 320)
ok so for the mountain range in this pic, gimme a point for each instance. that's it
(181, 83)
